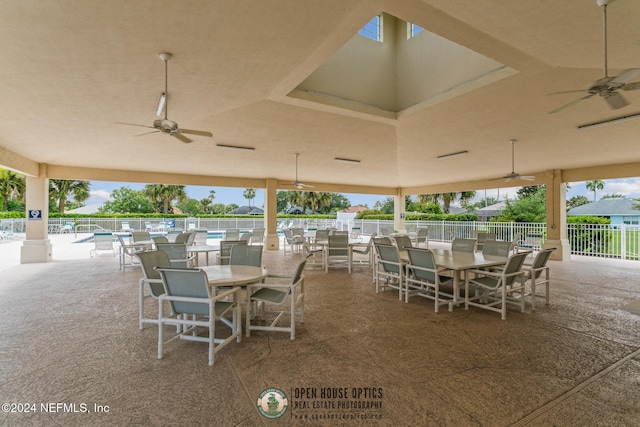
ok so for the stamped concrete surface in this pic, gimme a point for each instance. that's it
(69, 341)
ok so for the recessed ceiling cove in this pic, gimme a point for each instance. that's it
(397, 72)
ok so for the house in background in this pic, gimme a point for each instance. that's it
(488, 212)
(619, 210)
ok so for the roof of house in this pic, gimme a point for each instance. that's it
(247, 210)
(607, 207)
(88, 209)
(355, 209)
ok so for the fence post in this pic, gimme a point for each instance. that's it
(623, 241)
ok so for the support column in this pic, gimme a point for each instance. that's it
(270, 215)
(556, 216)
(399, 213)
(36, 246)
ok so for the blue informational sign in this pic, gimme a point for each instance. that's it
(35, 214)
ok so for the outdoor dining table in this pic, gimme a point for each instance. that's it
(198, 249)
(460, 262)
(233, 275)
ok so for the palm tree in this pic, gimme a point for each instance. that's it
(249, 194)
(61, 189)
(165, 194)
(317, 200)
(446, 198)
(594, 185)
(12, 186)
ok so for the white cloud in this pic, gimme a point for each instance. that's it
(98, 196)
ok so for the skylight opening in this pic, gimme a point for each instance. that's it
(413, 30)
(373, 29)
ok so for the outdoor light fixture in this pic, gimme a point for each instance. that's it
(457, 153)
(235, 147)
(611, 121)
(162, 103)
(342, 159)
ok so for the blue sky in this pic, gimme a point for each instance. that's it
(101, 190)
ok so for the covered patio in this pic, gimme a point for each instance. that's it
(70, 335)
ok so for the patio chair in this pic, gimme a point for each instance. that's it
(423, 278)
(246, 237)
(422, 237)
(225, 250)
(294, 243)
(103, 241)
(193, 305)
(402, 242)
(67, 228)
(148, 226)
(533, 275)
(186, 238)
(178, 255)
(150, 281)
(386, 231)
(172, 234)
(246, 255)
(355, 234)
(232, 234)
(257, 236)
(125, 227)
(365, 253)
(390, 268)
(483, 237)
(337, 252)
(128, 250)
(139, 236)
(160, 239)
(200, 237)
(497, 248)
(494, 290)
(463, 245)
(313, 254)
(191, 226)
(289, 295)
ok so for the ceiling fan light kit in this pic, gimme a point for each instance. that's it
(607, 87)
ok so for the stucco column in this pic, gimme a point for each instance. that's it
(270, 215)
(399, 213)
(556, 216)
(37, 247)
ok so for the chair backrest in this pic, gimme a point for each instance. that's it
(403, 241)
(483, 236)
(246, 237)
(514, 264)
(125, 226)
(389, 258)
(463, 245)
(288, 235)
(225, 249)
(497, 247)
(322, 235)
(355, 233)
(172, 234)
(139, 236)
(177, 253)
(125, 249)
(191, 225)
(160, 239)
(338, 245)
(201, 237)
(386, 231)
(297, 275)
(246, 255)
(421, 235)
(297, 231)
(103, 240)
(424, 259)
(186, 282)
(232, 234)
(149, 261)
(541, 261)
(257, 236)
(383, 240)
(182, 238)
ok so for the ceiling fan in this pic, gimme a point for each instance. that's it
(607, 86)
(297, 183)
(165, 125)
(513, 175)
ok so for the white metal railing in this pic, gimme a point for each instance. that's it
(599, 240)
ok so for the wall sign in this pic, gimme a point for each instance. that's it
(35, 214)
(402, 215)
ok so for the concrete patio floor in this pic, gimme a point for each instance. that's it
(69, 335)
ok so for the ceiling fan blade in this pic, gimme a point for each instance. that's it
(133, 124)
(181, 138)
(615, 101)
(527, 177)
(626, 76)
(147, 133)
(562, 107)
(196, 132)
(631, 86)
(508, 178)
